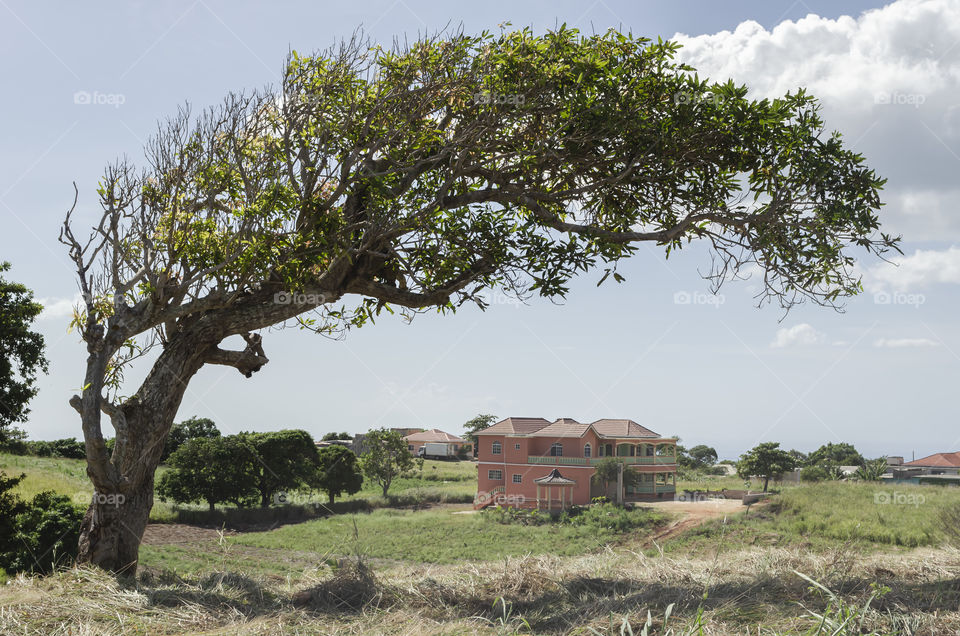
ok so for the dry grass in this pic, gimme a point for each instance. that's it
(561, 595)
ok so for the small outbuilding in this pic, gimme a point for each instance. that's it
(546, 485)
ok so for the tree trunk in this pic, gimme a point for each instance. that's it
(385, 487)
(766, 480)
(113, 526)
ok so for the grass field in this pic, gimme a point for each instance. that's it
(432, 571)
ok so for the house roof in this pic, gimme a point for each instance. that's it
(940, 460)
(515, 426)
(564, 427)
(567, 427)
(554, 479)
(434, 435)
(621, 428)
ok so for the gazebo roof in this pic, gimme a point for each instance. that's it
(554, 479)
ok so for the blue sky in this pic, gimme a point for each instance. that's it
(85, 84)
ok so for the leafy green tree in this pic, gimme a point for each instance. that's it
(387, 457)
(183, 432)
(607, 469)
(211, 469)
(838, 454)
(338, 472)
(283, 461)
(21, 352)
(421, 178)
(798, 456)
(478, 423)
(766, 460)
(332, 436)
(703, 456)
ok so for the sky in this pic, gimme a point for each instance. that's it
(87, 83)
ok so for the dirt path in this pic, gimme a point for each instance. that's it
(690, 515)
(173, 533)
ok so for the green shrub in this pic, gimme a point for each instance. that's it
(38, 535)
(604, 516)
(814, 473)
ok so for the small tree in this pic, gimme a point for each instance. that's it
(872, 470)
(703, 456)
(387, 457)
(332, 436)
(606, 472)
(211, 469)
(338, 472)
(21, 352)
(766, 460)
(283, 460)
(838, 454)
(478, 423)
(183, 432)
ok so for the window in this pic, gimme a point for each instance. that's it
(409, 447)
(587, 450)
(556, 449)
(518, 479)
(516, 447)
(600, 450)
(497, 448)
(649, 450)
(495, 475)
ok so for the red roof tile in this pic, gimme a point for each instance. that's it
(515, 426)
(942, 460)
(621, 428)
(434, 435)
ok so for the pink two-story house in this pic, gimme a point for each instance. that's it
(518, 458)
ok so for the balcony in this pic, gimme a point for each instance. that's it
(593, 461)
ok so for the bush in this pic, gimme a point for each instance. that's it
(39, 535)
(814, 473)
(604, 516)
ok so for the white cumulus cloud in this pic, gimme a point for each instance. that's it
(915, 271)
(802, 335)
(888, 79)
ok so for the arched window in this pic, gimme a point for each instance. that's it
(587, 450)
(497, 448)
(556, 449)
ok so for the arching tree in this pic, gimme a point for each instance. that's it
(419, 178)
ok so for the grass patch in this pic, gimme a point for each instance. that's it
(435, 536)
(820, 516)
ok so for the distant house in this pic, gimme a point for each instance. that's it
(533, 463)
(415, 441)
(936, 464)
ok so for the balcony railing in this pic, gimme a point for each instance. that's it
(593, 461)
